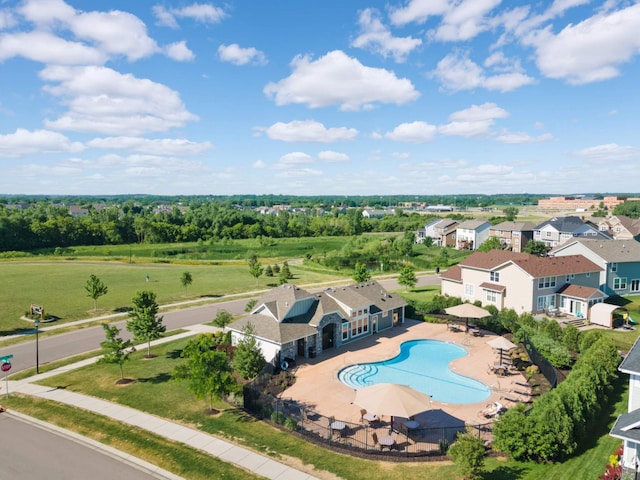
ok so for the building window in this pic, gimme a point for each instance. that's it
(494, 276)
(547, 234)
(619, 283)
(635, 285)
(345, 331)
(468, 289)
(547, 282)
(614, 267)
(492, 297)
(588, 274)
(546, 301)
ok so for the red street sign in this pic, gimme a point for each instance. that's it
(5, 367)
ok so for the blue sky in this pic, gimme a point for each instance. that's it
(310, 98)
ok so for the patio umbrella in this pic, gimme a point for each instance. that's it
(393, 400)
(501, 343)
(467, 311)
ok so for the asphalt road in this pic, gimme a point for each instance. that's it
(29, 452)
(64, 345)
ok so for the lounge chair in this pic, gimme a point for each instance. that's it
(493, 410)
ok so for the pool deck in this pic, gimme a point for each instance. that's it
(317, 385)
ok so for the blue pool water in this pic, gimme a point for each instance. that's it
(423, 365)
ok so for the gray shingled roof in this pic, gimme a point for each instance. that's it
(621, 428)
(563, 224)
(472, 224)
(514, 226)
(631, 363)
(325, 305)
(618, 251)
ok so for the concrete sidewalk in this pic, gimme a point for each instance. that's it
(226, 451)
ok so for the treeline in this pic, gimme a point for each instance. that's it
(46, 226)
(325, 201)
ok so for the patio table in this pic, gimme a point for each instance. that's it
(370, 417)
(411, 424)
(339, 427)
(387, 441)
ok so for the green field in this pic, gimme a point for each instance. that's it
(60, 286)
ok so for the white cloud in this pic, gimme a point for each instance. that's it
(377, 38)
(521, 138)
(259, 164)
(464, 20)
(203, 13)
(7, 19)
(299, 173)
(294, 159)
(339, 79)
(158, 146)
(473, 121)
(241, 56)
(333, 157)
(104, 101)
(47, 12)
(179, 52)
(47, 48)
(24, 142)
(591, 50)
(457, 71)
(418, 11)
(414, 132)
(609, 152)
(115, 32)
(308, 131)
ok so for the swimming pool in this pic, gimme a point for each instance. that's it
(423, 365)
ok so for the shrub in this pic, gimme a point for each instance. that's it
(468, 454)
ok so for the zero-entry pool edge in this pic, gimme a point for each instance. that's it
(423, 365)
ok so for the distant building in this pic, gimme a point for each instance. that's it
(579, 202)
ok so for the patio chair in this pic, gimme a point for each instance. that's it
(363, 412)
(376, 443)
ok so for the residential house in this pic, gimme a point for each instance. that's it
(471, 233)
(513, 236)
(627, 425)
(442, 231)
(558, 230)
(377, 213)
(289, 321)
(621, 227)
(427, 231)
(619, 260)
(525, 282)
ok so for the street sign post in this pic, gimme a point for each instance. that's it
(5, 366)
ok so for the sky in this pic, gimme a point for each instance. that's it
(332, 97)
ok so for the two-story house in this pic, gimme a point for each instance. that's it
(471, 233)
(442, 232)
(620, 227)
(513, 236)
(559, 230)
(289, 321)
(619, 260)
(525, 282)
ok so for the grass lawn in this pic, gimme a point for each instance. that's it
(154, 392)
(59, 286)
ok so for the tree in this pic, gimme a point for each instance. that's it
(186, 279)
(407, 276)
(268, 271)
(361, 273)
(223, 318)
(95, 289)
(536, 247)
(511, 213)
(443, 258)
(118, 350)
(207, 371)
(255, 269)
(250, 304)
(248, 360)
(285, 273)
(468, 454)
(491, 243)
(144, 322)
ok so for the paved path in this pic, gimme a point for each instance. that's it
(226, 451)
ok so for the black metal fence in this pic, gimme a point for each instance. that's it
(543, 364)
(377, 438)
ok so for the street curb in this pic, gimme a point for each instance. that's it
(123, 457)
